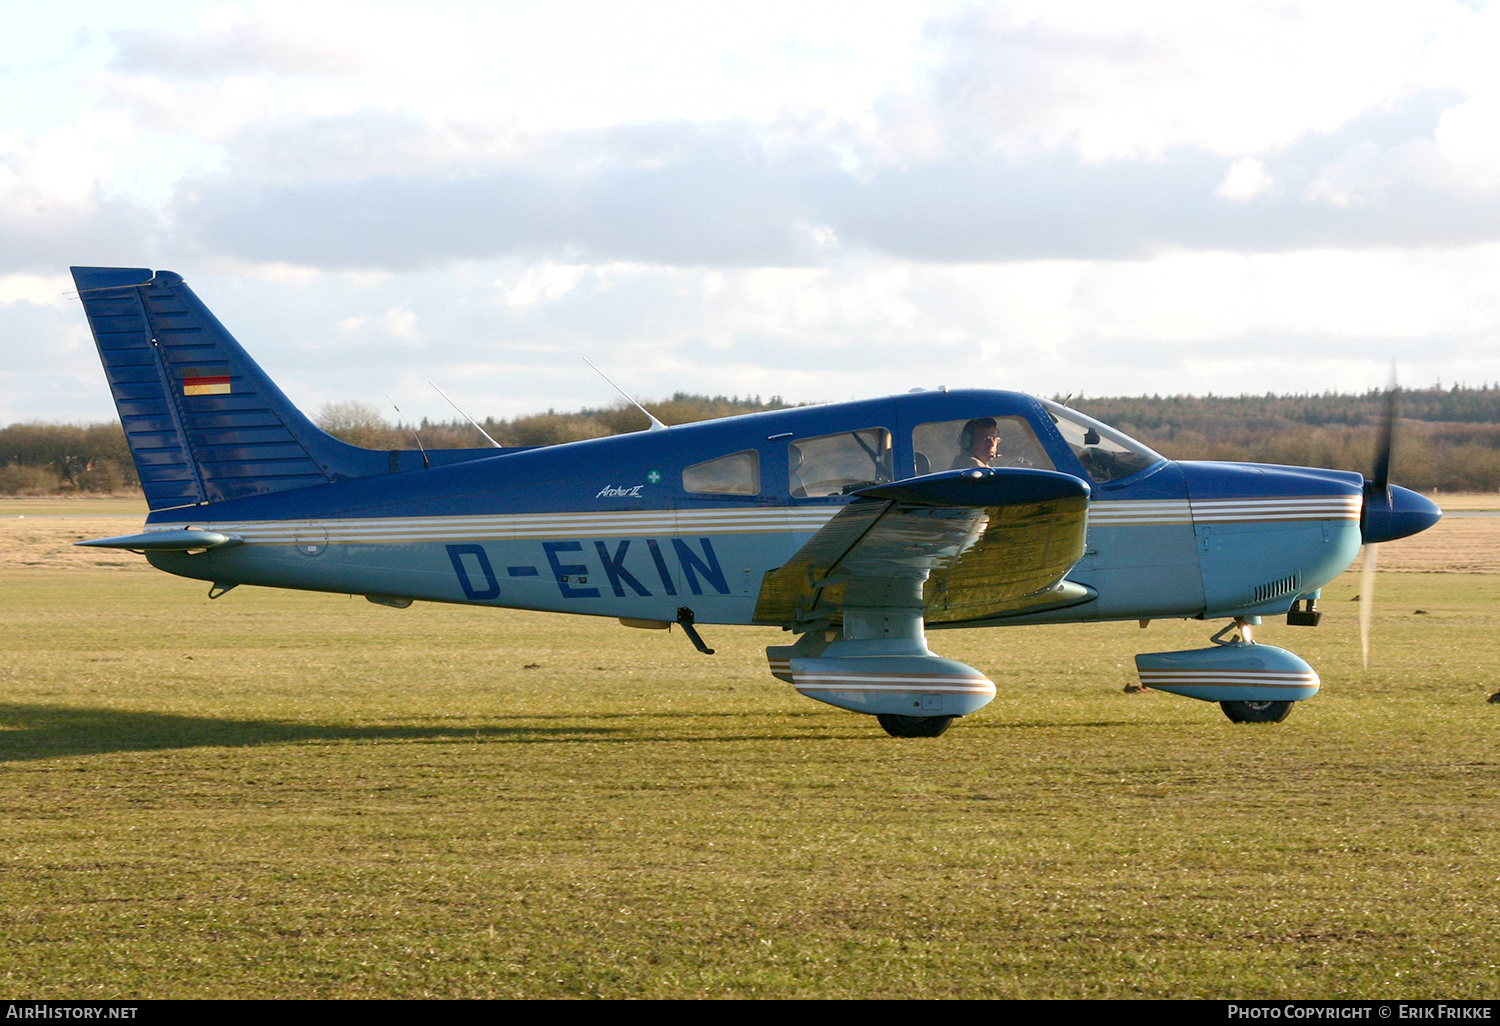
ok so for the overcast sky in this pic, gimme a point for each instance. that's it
(818, 200)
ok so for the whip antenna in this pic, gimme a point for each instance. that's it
(468, 418)
(656, 425)
(415, 437)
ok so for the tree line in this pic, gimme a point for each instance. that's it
(1447, 439)
(364, 425)
(55, 459)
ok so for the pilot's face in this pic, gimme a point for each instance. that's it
(986, 444)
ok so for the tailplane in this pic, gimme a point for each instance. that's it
(203, 421)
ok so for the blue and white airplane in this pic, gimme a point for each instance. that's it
(854, 526)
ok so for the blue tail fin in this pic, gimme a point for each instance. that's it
(204, 422)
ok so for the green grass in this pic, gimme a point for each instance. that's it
(277, 794)
(84, 505)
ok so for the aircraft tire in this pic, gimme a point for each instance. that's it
(1256, 712)
(914, 726)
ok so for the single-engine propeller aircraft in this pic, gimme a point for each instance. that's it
(854, 526)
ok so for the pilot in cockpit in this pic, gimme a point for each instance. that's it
(979, 444)
(984, 443)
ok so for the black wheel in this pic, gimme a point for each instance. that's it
(914, 726)
(1256, 712)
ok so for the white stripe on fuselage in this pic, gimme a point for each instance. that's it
(522, 526)
(760, 520)
(1219, 511)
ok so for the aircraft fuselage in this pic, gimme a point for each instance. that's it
(620, 527)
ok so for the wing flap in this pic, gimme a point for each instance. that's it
(986, 542)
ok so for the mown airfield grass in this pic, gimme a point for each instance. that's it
(288, 795)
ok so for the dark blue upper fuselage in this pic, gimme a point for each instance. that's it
(573, 475)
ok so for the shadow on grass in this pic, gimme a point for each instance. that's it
(57, 731)
(53, 731)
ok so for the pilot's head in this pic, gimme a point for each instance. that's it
(980, 439)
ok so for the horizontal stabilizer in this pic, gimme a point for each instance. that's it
(983, 542)
(166, 541)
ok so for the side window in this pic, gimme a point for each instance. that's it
(978, 442)
(738, 474)
(839, 464)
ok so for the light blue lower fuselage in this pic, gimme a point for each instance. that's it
(1155, 549)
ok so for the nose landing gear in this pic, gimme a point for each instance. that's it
(1252, 683)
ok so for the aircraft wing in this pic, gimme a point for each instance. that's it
(987, 541)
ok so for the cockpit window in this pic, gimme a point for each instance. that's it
(977, 442)
(1106, 454)
(839, 464)
(738, 474)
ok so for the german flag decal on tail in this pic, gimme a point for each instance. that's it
(205, 380)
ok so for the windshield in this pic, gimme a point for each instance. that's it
(1106, 454)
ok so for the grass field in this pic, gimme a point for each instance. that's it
(278, 794)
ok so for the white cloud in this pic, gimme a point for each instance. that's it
(857, 326)
(1468, 140)
(207, 112)
(37, 289)
(63, 168)
(1246, 179)
(541, 284)
(331, 38)
(1137, 80)
(401, 323)
(1211, 297)
(825, 200)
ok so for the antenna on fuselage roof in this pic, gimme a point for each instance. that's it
(656, 425)
(401, 416)
(466, 417)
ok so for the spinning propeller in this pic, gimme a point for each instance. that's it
(1389, 512)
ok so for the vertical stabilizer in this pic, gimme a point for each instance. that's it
(203, 421)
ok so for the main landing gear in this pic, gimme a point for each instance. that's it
(878, 662)
(1256, 712)
(914, 726)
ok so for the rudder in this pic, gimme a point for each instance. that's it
(203, 421)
